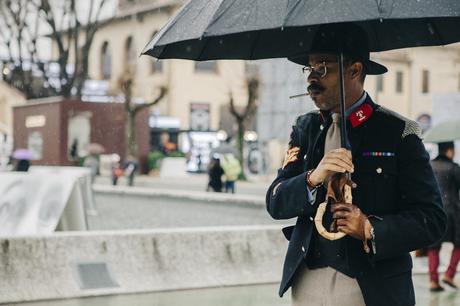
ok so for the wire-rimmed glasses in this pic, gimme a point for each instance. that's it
(320, 69)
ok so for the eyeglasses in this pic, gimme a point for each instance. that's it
(319, 68)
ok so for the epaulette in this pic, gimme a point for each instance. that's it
(410, 127)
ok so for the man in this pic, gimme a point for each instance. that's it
(396, 203)
(448, 174)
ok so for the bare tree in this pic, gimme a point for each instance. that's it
(25, 23)
(132, 109)
(244, 119)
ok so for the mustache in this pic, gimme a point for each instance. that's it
(315, 87)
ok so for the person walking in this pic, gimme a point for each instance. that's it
(215, 173)
(22, 165)
(232, 169)
(397, 205)
(130, 167)
(92, 162)
(448, 174)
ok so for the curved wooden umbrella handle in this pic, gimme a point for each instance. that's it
(322, 209)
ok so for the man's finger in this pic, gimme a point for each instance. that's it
(341, 206)
(343, 157)
(344, 229)
(342, 222)
(339, 162)
(336, 168)
(341, 214)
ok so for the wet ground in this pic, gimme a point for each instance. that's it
(260, 295)
(116, 212)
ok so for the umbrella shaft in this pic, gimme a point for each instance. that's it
(343, 130)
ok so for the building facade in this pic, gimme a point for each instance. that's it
(9, 97)
(196, 91)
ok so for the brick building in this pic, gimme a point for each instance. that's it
(49, 127)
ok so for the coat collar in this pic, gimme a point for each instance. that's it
(358, 116)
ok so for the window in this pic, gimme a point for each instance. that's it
(399, 81)
(199, 116)
(379, 83)
(130, 55)
(157, 65)
(106, 61)
(425, 81)
(206, 66)
(35, 144)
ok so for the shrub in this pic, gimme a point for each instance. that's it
(153, 159)
(176, 154)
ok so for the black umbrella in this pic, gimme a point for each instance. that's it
(258, 29)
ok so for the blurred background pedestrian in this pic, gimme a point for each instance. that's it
(215, 173)
(130, 167)
(448, 175)
(232, 170)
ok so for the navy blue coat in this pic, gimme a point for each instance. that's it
(395, 182)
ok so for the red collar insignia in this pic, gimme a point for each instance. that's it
(360, 115)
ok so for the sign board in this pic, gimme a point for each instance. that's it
(40, 201)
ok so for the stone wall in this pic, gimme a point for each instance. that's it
(81, 264)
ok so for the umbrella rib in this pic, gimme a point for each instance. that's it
(215, 17)
(203, 48)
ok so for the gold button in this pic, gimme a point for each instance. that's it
(379, 170)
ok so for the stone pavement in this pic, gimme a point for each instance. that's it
(123, 210)
(256, 185)
(260, 295)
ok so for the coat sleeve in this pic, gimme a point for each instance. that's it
(420, 220)
(456, 177)
(288, 196)
(456, 172)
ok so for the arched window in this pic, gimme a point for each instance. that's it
(106, 61)
(157, 65)
(130, 55)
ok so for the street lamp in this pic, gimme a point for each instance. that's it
(221, 135)
(250, 136)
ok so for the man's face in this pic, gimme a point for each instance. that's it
(324, 89)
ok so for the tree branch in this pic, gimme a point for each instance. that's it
(139, 107)
(233, 110)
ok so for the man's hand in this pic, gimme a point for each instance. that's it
(338, 160)
(351, 221)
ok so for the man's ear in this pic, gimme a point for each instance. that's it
(356, 69)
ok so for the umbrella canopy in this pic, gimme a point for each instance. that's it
(94, 148)
(23, 154)
(257, 29)
(443, 132)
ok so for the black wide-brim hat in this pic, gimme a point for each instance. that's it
(348, 38)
